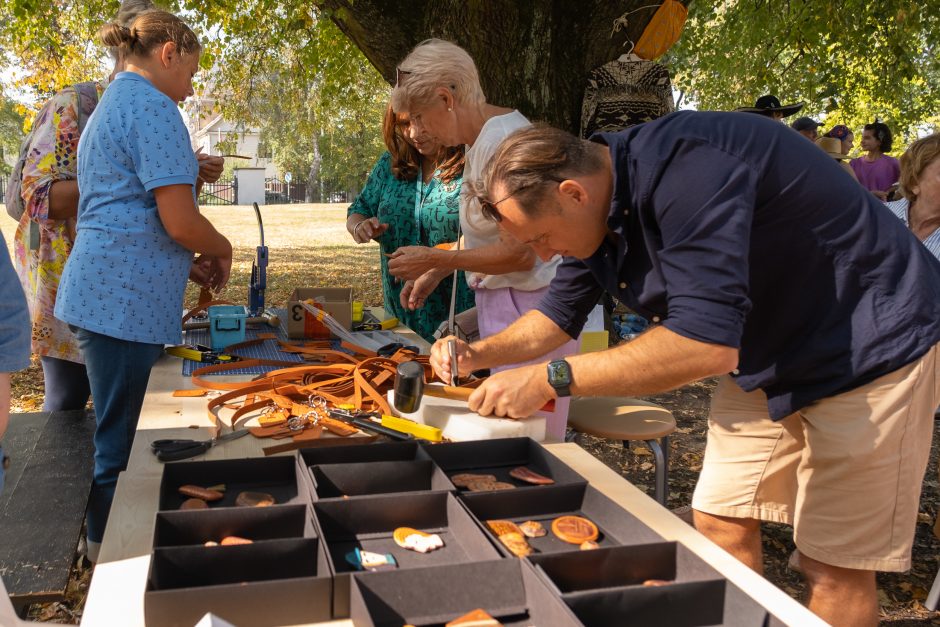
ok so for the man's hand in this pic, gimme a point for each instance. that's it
(210, 168)
(516, 393)
(367, 230)
(410, 262)
(440, 358)
(415, 293)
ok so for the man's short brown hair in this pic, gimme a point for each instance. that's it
(530, 157)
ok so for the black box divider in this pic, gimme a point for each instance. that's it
(616, 526)
(509, 590)
(276, 476)
(611, 567)
(687, 604)
(497, 457)
(271, 582)
(195, 527)
(368, 523)
(380, 477)
(350, 454)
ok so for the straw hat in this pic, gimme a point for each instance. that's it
(832, 147)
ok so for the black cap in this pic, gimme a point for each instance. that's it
(805, 124)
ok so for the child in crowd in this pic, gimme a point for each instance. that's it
(138, 227)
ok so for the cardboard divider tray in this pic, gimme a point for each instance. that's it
(605, 587)
(359, 479)
(348, 454)
(615, 526)
(369, 522)
(195, 527)
(508, 590)
(271, 582)
(276, 476)
(498, 457)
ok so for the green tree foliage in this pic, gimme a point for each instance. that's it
(852, 60)
(11, 133)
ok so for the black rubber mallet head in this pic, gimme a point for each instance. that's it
(409, 386)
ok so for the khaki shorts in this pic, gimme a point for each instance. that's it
(846, 471)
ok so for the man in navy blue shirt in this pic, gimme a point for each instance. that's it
(758, 260)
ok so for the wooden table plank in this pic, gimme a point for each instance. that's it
(20, 439)
(43, 517)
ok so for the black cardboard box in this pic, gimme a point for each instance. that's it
(195, 527)
(368, 523)
(276, 476)
(604, 587)
(615, 526)
(359, 479)
(271, 582)
(509, 590)
(498, 457)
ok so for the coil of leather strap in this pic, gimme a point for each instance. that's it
(362, 379)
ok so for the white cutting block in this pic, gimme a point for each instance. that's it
(459, 424)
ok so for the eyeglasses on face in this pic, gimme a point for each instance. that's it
(489, 210)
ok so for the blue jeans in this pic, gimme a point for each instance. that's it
(66, 384)
(118, 371)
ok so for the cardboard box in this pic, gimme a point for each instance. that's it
(359, 479)
(498, 457)
(276, 476)
(196, 527)
(604, 587)
(508, 590)
(368, 523)
(272, 582)
(616, 526)
(337, 301)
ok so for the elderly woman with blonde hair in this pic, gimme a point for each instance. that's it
(438, 87)
(920, 185)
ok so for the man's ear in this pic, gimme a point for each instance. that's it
(573, 191)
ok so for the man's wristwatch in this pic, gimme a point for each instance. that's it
(559, 377)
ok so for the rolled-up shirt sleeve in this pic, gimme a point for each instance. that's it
(706, 242)
(571, 296)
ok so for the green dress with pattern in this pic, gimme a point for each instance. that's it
(396, 203)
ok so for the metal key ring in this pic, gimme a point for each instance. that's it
(297, 423)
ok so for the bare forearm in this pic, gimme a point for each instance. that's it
(63, 200)
(529, 337)
(499, 258)
(656, 361)
(201, 237)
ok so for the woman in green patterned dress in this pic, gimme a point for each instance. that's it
(412, 198)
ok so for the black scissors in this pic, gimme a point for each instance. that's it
(175, 450)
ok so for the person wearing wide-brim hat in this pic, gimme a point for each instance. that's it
(770, 106)
(833, 147)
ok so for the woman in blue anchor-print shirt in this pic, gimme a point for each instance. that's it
(138, 227)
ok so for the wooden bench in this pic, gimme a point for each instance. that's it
(42, 506)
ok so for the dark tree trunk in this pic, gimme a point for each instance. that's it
(533, 55)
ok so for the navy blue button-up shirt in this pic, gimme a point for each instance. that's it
(733, 229)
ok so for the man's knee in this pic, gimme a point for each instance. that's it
(822, 576)
(711, 525)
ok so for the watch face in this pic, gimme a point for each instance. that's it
(559, 373)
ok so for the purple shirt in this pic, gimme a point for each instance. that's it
(877, 175)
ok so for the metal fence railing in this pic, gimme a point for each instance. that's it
(3, 188)
(222, 192)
